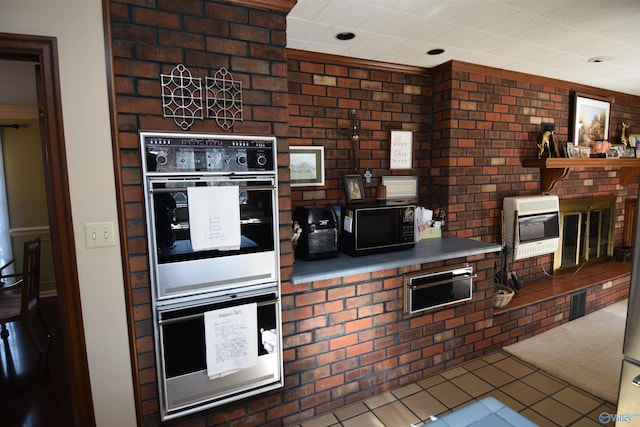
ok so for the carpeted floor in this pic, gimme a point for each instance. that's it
(586, 352)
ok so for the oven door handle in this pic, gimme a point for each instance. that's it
(442, 282)
(198, 315)
(242, 188)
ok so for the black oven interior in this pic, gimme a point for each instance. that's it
(183, 333)
(171, 217)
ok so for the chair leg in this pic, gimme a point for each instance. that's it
(49, 333)
(32, 338)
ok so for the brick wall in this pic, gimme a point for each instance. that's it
(348, 338)
(485, 122)
(323, 90)
(150, 39)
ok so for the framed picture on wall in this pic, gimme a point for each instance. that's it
(354, 188)
(306, 164)
(401, 149)
(590, 121)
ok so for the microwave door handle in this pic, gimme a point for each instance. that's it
(441, 282)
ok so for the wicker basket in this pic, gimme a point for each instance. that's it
(500, 300)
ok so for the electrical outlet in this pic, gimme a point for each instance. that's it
(99, 234)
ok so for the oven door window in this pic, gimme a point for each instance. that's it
(184, 343)
(170, 219)
(185, 385)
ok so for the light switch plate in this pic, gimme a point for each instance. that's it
(99, 234)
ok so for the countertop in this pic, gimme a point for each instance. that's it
(425, 251)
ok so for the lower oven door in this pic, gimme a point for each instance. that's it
(188, 345)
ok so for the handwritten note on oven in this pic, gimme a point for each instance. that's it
(214, 217)
(231, 339)
(401, 149)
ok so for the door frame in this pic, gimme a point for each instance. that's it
(43, 51)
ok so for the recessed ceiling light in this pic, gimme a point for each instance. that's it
(345, 36)
(603, 58)
(435, 51)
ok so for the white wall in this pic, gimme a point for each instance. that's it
(78, 27)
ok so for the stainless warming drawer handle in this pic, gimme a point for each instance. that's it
(198, 315)
(636, 381)
(441, 282)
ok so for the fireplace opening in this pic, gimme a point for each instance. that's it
(586, 232)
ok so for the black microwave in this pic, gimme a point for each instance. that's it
(369, 229)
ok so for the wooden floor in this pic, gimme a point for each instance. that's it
(33, 388)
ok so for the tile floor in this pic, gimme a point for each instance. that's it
(543, 399)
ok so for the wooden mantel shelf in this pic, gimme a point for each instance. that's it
(554, 169)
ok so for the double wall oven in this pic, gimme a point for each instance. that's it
(212, 226)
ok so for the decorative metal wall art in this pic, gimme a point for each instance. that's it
(224, 98)
(182, 98)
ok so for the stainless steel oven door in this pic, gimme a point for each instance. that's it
(184, 383)
(178, 269)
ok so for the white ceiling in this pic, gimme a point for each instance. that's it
(550, 38)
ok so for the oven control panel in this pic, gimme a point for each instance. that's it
(185, 153)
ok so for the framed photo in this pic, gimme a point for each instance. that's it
(307, 166)
(571, 150)
(590, 119)
(630, 152)
(584, 152)
(401, 149)
(634, 140)
(620, 148)
(354, 188)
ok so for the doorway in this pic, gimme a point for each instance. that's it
(43, 52)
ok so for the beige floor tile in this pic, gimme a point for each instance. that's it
(595, 415)
(472, 385)
(424, 405)
(407, 390)
(367, 419)
(506, 399)
(450, 395)
(377, 401)
(351, 411)
(537, 418)
(494, 357)
(577, 400)
(453, 373)
(494, 376)
(326, 420)
(475, 364)
(556, 411)
(523, 393)
(396, 414)
(431, 381)
(514, 367)
(543, 383)
(586, 422)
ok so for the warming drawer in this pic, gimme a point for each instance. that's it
(437, 288)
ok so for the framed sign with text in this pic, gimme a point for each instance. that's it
(401, 150)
